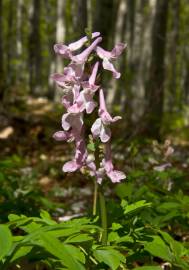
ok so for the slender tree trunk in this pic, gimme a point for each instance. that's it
(51, 9)
(80, 18)
(11, 42)
(174, 52)
(68, 19)
(19, 45)
(121, 84)
(2, 75)
(103, 19)
(131, 22)
(35, 59)
(185, 95)
(155, 84)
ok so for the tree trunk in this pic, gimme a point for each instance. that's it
(155, 84)
(35, 59)
(80, 18)
(104, 19)
(11, 43)
(51, 14)
(2, 77)
(174, 53)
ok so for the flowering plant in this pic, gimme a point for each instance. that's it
(79, 86)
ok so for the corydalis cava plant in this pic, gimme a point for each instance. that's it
(79, 87)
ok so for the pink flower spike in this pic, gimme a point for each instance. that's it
(82, 57)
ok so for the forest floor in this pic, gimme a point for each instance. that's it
(26, 140)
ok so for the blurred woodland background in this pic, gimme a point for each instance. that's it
(153, 92)
(150, 144)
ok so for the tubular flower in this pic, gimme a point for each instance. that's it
(79, 87)
(67, 51)
(100, 127)
(109, 56)
(114, 175)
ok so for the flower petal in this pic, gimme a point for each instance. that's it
(109, 66)
(105, 134)
(82, 57)
(60, 136)
(116, 176)
(63, 50)
(65, 121)
(96, 127)
(90, 106)
(103, 53)
(117, 50)
(79, 43)
(70, 166)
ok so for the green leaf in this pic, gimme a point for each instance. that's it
(124, 190)
(113, 236)
(66, 253)
(47, 218)
(109, 256)
(79, 238)
(167, 206)
(21, 252)
(130, 208)
(148, 268)
(116, 226)
(63, 232)
(159, 249)
(5, 241)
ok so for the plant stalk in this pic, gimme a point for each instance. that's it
(103, 214)
(95, 197)
(102, 202)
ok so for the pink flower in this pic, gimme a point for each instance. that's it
(66, 51)
(70, 96)
(108, 56)
(97, 173)
(78, 89)
(71, 75)
(73, 122)
(82, 57)
(114, 175)
(79, 158)
(84, 100)
(90, 84)
(100, 126)
(63, 136)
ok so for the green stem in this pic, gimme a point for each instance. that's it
(103, 214)
(95, 197)
(102, 202)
